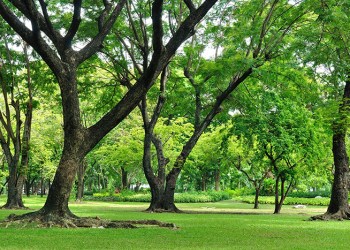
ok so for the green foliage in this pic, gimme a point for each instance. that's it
(240, 192)
(301, 194)
(288, 200)
(190, 197)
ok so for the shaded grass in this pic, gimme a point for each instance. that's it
(196, 231)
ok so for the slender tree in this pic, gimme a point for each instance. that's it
(253, 54)
(15, 134)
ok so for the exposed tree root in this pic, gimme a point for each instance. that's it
(340, 215)
(38, 219)
(162, 210)
(13, 207)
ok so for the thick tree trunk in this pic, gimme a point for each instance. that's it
(338, 208)
(57, 200)
(169, 194)
(157, 192)
(80, 182)
(340, 188)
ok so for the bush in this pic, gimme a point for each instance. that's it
(300, 194)
(240, 192)
(288, 201)
(191, 197)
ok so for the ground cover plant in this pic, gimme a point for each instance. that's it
(221, 225)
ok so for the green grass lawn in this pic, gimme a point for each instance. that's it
(237, 227)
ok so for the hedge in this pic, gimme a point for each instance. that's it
(289, 200)
(191, 197)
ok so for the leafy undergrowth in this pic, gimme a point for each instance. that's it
(288, 201)
(189, 197)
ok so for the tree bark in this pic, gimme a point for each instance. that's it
(340, 188)
(338, 208)
(125, 183)
(14, 189)
(256, 198)
(204, 182)
(80, 182)
(217, 179)
(277, 209)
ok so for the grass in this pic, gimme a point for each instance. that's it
(255, 229)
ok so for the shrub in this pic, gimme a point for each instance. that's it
(240, 192)
(288, 201)
(300, 194)
(191, 197)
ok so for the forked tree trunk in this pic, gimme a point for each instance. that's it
(74, 149)
(284, 193)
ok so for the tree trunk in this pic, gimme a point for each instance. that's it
(14, 189)
(3, 186)
(57, 200)
(204, 182)
(277, 208)
(256, 199)
(80, 184)
(217, 180)
(169, 194)
(125, 183)
(339, 205)
(340, 188)
(27, 187)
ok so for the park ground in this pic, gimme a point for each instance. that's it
(220, 225)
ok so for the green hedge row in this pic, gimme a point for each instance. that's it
(288, 201)
(192, 197)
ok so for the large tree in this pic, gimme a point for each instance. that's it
(328, 53)
(58, 45)
(259, 30)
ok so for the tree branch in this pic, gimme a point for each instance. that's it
(48, 55)
(73, 28)
(140, 88)
(190, 5)
(157, 41)
(96, 43)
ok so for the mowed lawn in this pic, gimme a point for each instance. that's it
(221, 225)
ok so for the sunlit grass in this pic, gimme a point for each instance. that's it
(231, 225)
